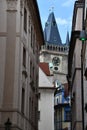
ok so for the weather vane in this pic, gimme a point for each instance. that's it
(51, 9)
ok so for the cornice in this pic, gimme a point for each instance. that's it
(78, 4)
(35, 15)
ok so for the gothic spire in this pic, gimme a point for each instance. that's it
(67, 39)
(51, 32)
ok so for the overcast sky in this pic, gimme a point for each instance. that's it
(63, 11)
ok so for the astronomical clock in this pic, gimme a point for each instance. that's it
(56, 63)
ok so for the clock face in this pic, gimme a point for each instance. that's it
(56, 61)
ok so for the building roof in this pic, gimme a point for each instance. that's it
(51, 32)
(45, 67)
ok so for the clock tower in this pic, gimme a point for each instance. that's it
(54, 52)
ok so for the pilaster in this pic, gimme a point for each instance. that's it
(10, 55)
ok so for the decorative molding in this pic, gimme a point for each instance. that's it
(21, 3)
(4, 34)
(12, 5)
(18, 34)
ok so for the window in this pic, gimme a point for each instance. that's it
(67, 114)
(39, 95)
(46, 24)
(57, 100)
(31, 36)
(25, 20)
(31, 73)
(34, 44)
(54, 23)
(29, 107)
(24, 57)
(22, 100)
(38, 115)
(32, 112)
(55, 40)
(29, 21)
(36, 84)
(35, 115)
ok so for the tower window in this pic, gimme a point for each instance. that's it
(46, 24)
(54, 23)
(55, 39)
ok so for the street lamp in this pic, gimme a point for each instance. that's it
(83, 38)
(8, 124)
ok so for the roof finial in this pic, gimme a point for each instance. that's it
(52, 9)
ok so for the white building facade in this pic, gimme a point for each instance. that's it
(46, 103)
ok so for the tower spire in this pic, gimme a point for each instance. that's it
(67, 38)
(51, 32)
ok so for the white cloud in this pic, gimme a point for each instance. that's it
(68, 3)
(61, 21)
(66, 22)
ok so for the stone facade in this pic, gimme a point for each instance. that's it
(46, 55)
(20, 39)
(74, 67)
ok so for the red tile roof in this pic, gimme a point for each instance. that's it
(45, 67)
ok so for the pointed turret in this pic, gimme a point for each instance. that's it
(67, 39)
(51, 32)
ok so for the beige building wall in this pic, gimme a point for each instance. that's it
(75, 80)
(76, 88)
(19, 46)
